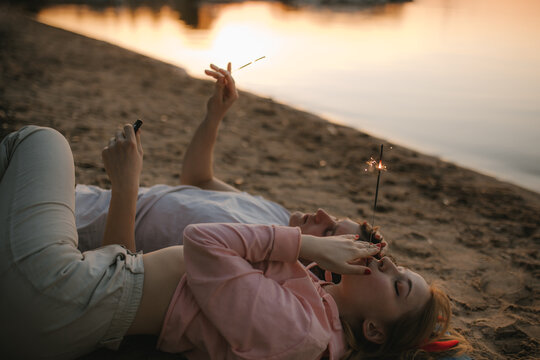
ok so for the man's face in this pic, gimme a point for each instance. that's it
(323, 224)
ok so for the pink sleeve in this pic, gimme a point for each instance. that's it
(256, 315)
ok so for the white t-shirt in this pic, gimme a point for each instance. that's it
(164, 211)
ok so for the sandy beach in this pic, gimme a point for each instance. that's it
(479, 238)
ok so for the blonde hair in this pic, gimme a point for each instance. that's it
(407, 334)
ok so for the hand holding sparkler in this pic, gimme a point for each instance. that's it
(368, 233)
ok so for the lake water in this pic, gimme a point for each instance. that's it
(459, 79)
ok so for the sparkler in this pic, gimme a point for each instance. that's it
(251, 62)
(380, 167)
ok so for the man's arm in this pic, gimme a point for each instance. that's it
(198, 165)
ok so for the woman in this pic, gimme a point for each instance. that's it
(245, 295)
(164, 211)
(224, 297)
(239, 291)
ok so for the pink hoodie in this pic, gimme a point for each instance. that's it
(245, 295)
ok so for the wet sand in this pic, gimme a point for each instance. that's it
(477, 236)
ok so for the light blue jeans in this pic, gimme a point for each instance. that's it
(55, 302)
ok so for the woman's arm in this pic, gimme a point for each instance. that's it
(198, 165)
(123, 159)
(258, 316)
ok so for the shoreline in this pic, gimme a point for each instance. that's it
(479, 237)
(483, 153)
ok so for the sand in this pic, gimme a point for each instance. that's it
(479, 237)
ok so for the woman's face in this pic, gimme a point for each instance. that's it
(386, 294)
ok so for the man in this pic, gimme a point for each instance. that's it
(164, 211)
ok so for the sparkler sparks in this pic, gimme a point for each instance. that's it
(375, 165)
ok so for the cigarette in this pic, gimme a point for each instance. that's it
(243, 66)
(137, 124)
(251, 62)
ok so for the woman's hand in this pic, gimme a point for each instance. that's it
(123, 158)
(225, 93)
(341, 254)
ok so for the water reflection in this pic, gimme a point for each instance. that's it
(201, 14)
(455, 78)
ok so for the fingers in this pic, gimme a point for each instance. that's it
(225, 73)
(352, 269)
(129, 133)
(220, 80)
(217, 68)
(133, 137)
(369, 233)
(139, 142)
(366, 247)
(119, 135)
(371, 251)
(364, 251)
(359, 266)
(125, 134)
(343, 254)
(214, 74)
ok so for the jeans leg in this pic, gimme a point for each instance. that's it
(55, 301)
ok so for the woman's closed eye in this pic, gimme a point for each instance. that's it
(402, 285)
(330, 231)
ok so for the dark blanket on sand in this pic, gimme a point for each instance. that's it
(479, 237)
